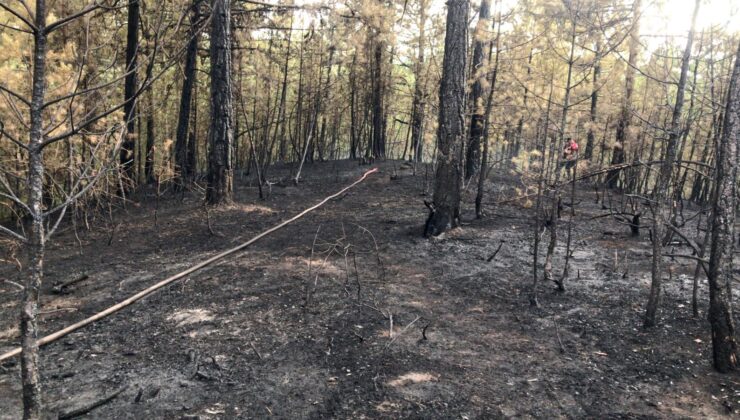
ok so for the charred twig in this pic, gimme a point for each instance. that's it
(89, 407)
(112, 233)
(208, 222)
(489, 259)
(557, 333)
(61, 288)
(251, 344)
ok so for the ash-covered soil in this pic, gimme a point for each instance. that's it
(350, 313)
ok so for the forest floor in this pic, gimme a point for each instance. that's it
(396, 326)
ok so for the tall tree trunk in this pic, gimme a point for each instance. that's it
(32, 403)
(487, 122)
(681, 176)
(418, 104)
(533, 301)
(451, 133)
(555, 199)
(478, 73)
(591, 136)
(378, 149)
(520, 123)
(353, 129)
(220, 173)
(149, 162)
(660, 210)
(192, 159)
(724, 346)
(625, 114)
(129, 88)
(281, 120)
(183, 119)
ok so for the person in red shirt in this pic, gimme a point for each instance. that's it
(570, 155)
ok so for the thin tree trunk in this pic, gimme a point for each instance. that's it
(183, 119)
(660, 210)
(353, 129)
(625, 114)
(281, 120)
(149, 162)
(129, 108)
(478, 74)
(32, 401)
(487, 121)
(555, 202)
(417, 107)
(533, 301)
(520, 123)
(591, 136)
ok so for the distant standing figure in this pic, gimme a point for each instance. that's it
(570, 155)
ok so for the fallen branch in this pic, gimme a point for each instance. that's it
(61, 288)
(117, 307)
(557, 332)
(489, 259)
(89, 407)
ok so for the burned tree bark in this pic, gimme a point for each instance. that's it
(479, 70)
(220, 189)
(445, 212)
(487, 122)
(183, 119)
(32, 404)
(625, 114)
(378, 82)
(129, 108)
(660, 191)
(720, 276)
(417, 107)
(591, 136)
(282, 144)
(555, 202)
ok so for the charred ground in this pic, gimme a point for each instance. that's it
(400, 327)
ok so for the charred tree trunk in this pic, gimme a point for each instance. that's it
(591, 136)
(220, 175)
(149, 162)
(625, 114)
(445, 213)
(281, 120)
(378, 148)
(660, 210)
(182, 172)
(479, 71)
(354, 129)
(724, 346)
(487, 121)
(533, 301)
(32, 403)
(520, 123)
(417, 107)
(129, 108)
(555, 199)
(192, 159)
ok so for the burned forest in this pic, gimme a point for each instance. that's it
(217, 209)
